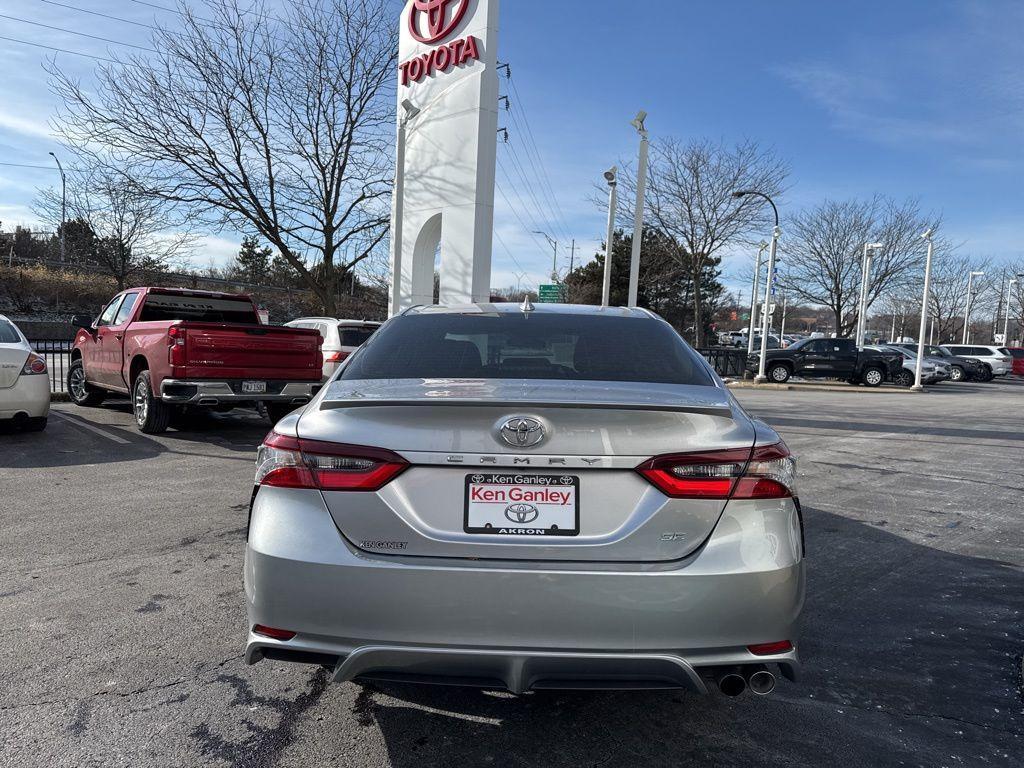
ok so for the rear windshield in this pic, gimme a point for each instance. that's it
(160, 306)
(8, 333)
(354, 337)
(522, 346)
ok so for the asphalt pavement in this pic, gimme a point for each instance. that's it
(123, 617)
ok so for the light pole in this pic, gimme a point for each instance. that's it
(776, 234)
(638, 222)
(753, 296)
(612, 177)
(1009, 303)
(865, 284)
(782, 325)
(411, 110)
(925, 302)
(554, 263)
(970, 300)
(63, 204)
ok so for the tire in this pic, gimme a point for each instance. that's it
(986, 374)
(36, 425)
(957, 374)
(873, 377)
(81, 391)
(779, 373)
(277, 411)
(903, 379)
(152, 415)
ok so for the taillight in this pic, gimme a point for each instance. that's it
(768, 472)
(336, 357)
(771, 649)
(176, 342)
(35, 365)
(287, 462)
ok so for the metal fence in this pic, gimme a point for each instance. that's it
(58, 358)
(727, 361)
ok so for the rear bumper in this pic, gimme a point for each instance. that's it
(516, 625)
(206, 392)
(29, 397)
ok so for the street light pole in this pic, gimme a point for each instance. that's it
(411, 110)
(63, 204)
(925, 303)
(865, 285)
(772, 255)
(638, 222)
(970, 298)
(753, 296)
(1009, 303)
(612, 177)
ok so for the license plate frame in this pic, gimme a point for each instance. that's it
(497, 522)
(254, 387)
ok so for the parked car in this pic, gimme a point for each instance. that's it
(581, 480)
(1017, 353)
(933, 370)
(341, 338)
(997, 359)
(830, 359)
(171, 349)
(961, 368)
(24, 380)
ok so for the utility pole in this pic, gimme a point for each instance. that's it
(572, 256)
(554, 245)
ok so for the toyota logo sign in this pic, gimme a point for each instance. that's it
(522, 432)
(439, 17)
(524, 514)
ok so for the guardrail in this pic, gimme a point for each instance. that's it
(727, 361)
(57, 353)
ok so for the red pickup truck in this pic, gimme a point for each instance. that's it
(173, 349)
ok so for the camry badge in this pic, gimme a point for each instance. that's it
(522, 432)
(524, 514)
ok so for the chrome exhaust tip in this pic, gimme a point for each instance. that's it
(761, 682)
(731, 684)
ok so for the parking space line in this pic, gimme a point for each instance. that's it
(73, 421)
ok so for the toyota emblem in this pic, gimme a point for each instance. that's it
(441, 21)
(522, 432)
(524, 514)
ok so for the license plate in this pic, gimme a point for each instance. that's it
(254, 387)
(513, 504)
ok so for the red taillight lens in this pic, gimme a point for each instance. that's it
(771, 649)
(764, 473)
(176, 343)
(273, 632)
(287, 462)
(35, 365)
(335, 357)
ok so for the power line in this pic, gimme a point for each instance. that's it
(22, 165)
(97, 13)
(73, 32)
(522, 213)
(58, 50)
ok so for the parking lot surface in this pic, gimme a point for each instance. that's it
(123, 613)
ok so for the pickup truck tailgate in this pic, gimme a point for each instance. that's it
(223, 351)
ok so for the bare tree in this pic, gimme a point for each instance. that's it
(283, 126)
(131, 233)
(948, 305)
(823, 251)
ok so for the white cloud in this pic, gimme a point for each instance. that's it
(24, 126)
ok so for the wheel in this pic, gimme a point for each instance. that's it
(36, 425)
(152, 415)
(81, 391)
(957, 374)
(277, 411)
(903, 379)
(873, 377)
(986, 373)
(779, 373)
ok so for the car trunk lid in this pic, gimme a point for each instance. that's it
(12, 362)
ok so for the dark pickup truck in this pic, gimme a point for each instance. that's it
(829, 359)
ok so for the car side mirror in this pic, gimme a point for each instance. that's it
(82, 321)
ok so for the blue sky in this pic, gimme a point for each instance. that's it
(921, 98)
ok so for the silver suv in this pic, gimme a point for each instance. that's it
(528, 498)
(998, 359)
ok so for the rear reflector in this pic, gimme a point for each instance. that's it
(273, 633)
(768, 472)
(287, 462)
(771, 649)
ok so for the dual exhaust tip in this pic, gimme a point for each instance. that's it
(734, 681)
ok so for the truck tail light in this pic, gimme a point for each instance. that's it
(767, 472)
(35, 365)
(287, 462)
(176, 337)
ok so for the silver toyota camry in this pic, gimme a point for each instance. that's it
(520, 497)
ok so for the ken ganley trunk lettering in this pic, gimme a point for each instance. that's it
(441, 59)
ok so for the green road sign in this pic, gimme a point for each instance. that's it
(551, 294)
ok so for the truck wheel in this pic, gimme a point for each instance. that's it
(903, 379)
(957, 374)
(873, 377)
(779, 373)
(81, 391)
(152, 415)
(277, 411)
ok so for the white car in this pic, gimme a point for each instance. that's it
(341, 337)
(24, 380)
(998, 359)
